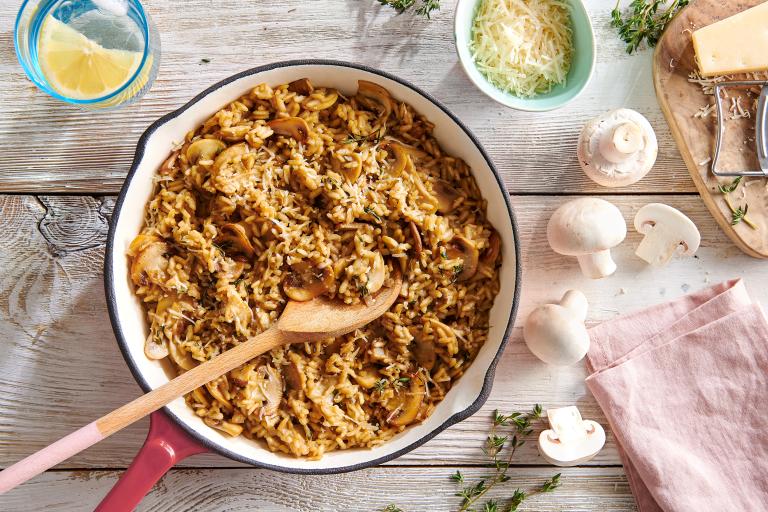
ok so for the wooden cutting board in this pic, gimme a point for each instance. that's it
(681, 100)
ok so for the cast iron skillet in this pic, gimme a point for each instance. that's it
(176, 432)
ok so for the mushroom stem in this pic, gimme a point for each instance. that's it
(597, 265)
(619, 144)
(658, 246)
(575, 302)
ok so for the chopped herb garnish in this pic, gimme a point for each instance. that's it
(457, 270)
(372, 213)
(380, 385)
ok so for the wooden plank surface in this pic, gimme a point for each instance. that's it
(52, 147)
(249, 490)
(60, 367)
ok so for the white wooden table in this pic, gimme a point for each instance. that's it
(60, 168)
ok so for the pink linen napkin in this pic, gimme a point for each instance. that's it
(684, 386)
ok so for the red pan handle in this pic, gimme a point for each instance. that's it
(166, 445)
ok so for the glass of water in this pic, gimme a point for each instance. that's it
(96, 54)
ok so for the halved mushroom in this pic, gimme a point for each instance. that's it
(294, 127)
(461, 248)
(376, 274)
(305, 281)
(228, 155)
(150, 263)
(301, 86)
(270, 386)
(446, 195)
(319, 101)
(367, 376)
(407, 405)
(372, 95)
(235, 238)
(155, 349)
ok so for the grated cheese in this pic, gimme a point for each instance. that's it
(523, 46)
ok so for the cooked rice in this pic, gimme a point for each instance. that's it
(227, 235)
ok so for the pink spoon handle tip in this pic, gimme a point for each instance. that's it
(49, 456)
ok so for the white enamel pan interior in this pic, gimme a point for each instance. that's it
(128, 317)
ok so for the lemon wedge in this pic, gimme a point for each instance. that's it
(79, 68)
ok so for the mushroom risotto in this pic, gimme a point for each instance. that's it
(293, 192)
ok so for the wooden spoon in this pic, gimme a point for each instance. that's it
(301, 321)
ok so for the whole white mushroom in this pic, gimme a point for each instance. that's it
(588, 228)
(617, 148)
(555, 333)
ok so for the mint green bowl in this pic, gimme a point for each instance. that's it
(582, 65)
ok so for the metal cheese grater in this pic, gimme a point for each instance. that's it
(761, 128)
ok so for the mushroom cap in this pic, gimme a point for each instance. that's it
(585, 226)
(556, 335)
(674, 222)
(616, 174)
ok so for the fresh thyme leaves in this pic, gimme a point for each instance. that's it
(737, 214)
(522, 425)
(457, 270)
(205, 61)
(425, 7)
(645, 21)
(373, 137)
(727, 189)
(380, 385)
(391, 508)
(372, 213)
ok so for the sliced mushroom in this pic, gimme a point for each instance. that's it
(318, 101)
(150, 263)
(155, 349)
(424, 352)
(169, 162)
(216, 388)
(376, 274)
(491, 253)
(348, 164)
(374, 96)
(181, 357)
(229, 155)
(236, 238)
(237, 310)
(294, 127)
(294, 377)
(407, 405)
(461, 248)
(270, 384)
(367, 376)
(446, 195)
(305, 281)
(417, 245)
(233, 429)
(301, 86)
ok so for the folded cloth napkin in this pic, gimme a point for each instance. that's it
(684, 386)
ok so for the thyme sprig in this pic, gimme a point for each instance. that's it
(522, 426)
(645, 21)
(738, 214)
(425, 7)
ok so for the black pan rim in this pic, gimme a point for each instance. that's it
(109, 288)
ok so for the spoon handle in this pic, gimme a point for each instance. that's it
(120, 418)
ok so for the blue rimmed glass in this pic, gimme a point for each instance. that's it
(30, 19)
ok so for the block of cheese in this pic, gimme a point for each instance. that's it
(738, 44)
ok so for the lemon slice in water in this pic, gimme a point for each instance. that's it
(79, 68)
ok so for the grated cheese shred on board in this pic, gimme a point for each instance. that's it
(523, 46)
